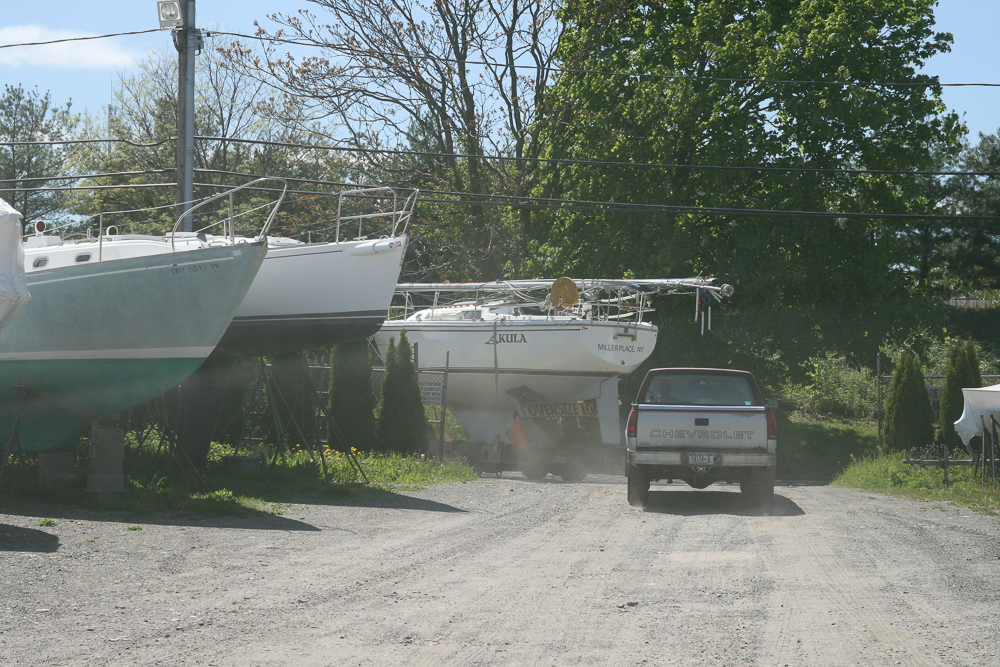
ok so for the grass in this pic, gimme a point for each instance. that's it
(813, 448)
(847, 453)
(888, 474)
(155, 482)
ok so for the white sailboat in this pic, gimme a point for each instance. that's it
(299, 298)
(535, 348)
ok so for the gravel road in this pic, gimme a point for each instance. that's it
(510, 572)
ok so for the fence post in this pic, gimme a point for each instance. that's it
(444, 406)
(878, 393)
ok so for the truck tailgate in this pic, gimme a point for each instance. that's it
(701, 427)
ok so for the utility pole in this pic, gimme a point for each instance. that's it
(180, 14)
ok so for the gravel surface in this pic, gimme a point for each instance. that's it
(510, 572)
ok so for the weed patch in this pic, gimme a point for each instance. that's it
(813, 448)
(888, 474)
(154, 482)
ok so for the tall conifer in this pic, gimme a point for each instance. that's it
(973, 376)
(952, 400)
(352, 401)
(909, 415)
(387, 397)
(402, 422)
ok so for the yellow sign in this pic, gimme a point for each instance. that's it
(584, 409)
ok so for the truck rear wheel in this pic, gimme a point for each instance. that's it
(534, 472)
(759, 487)
(574, 470)
(638, 486)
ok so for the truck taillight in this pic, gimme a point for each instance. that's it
(633, 419)
(772, 425)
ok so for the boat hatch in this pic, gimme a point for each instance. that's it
(40, 262)
(83, 257)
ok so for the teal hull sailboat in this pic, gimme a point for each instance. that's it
(98, 338)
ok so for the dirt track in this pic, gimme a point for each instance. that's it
(510, 572)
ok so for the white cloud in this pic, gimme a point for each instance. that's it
(88, 54)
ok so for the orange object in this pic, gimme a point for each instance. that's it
(516, 434)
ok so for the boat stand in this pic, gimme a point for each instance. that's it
(12, 443)
(266, 380)
(979, 460)
(157, 416)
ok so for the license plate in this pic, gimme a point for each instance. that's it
(700, 459)
(559, 459)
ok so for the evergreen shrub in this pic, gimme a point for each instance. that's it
(402, 423)
(909, 417)
(352, 401)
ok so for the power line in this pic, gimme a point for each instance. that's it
(568, 70)
(648, 75)
(549, 203)
(79, 39)
(535, 160)
(87, 141)
(78, 177)
(606, 163)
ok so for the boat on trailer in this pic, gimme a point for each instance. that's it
(523, 352)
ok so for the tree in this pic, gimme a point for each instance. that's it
(462, 79)
(28, 116)
(964, 257)
(402, 422)
(702, 85)
(970, 358)
(962, 373)
(952, 400)
(144, 115)
(909, 417)
(352, 402)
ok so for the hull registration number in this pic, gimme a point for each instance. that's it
(701, 459)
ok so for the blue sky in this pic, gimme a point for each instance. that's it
(86, 71)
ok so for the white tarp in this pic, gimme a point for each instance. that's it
(979, 403)
(13, 286)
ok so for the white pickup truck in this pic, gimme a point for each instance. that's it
(701, 425)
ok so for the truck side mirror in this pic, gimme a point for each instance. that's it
(772, 403)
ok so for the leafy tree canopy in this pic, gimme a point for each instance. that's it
(29, 116)
(702, 84)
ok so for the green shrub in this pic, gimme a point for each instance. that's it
(402, 424)
(962, 372)
(909, 416)
(835, 389)
(352, 402)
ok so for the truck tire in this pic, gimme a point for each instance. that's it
(760, 487)
(638, 486)
(534, 472)
(574, 470)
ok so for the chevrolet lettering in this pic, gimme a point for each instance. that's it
(702, 433)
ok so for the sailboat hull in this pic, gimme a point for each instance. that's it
(99, 338)
(562, 360)
(316, 295)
